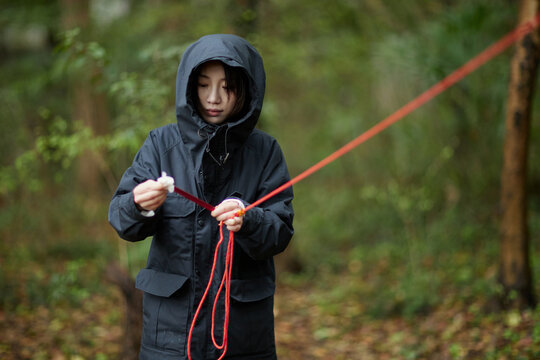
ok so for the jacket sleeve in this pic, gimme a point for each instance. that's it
(124, 216)
(268, 228)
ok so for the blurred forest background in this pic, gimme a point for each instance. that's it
(396, 249)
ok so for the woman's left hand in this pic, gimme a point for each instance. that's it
(226, 212)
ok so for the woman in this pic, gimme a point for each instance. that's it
(215, 153)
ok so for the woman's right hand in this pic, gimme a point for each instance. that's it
(149, 195)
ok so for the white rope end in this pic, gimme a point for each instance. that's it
(168, 181)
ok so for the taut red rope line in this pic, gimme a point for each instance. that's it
(194, 199)
(414, 104)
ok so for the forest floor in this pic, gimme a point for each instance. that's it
(305, 329)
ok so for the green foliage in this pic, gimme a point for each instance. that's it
(76, 57)
(428, 186)
(64, 286)
(404, 228)
(46, 285)
(402, 225)
(141, 98)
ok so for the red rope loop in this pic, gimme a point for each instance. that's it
(225, 282)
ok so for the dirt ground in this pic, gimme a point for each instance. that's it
(303, 331)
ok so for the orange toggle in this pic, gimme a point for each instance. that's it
(240, 213)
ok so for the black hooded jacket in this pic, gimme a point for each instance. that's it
(212, 162)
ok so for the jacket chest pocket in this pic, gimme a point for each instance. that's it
(176, 206)
(165, 310)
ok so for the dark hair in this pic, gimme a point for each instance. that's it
(237, 82)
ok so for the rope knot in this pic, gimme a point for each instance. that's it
(240, 213)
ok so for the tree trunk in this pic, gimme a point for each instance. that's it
(133, 310)
(515, 270)
(88, 105)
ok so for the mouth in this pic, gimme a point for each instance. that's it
(213, 112)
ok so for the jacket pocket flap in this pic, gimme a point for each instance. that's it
(177, 206)
(252, 289)
(159, 283)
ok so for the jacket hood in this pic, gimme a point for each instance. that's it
(233, 51)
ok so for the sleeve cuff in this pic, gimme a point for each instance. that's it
(252, 221)
(132, 210)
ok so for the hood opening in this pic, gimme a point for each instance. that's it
(237, 80)
(242, 58)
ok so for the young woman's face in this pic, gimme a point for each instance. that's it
(216, 102)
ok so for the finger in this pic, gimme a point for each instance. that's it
(146, 191)
(220, 210)
(236, 221)
(150, 200)
(229, 205)
(152, 205)
(230, 215)
(146, 185)
(155, 185)
(149, 194)
(150, 197)
(234, 228)
(226, 206)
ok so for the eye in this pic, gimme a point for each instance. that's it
(202, 85)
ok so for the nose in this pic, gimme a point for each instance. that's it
(214, 96)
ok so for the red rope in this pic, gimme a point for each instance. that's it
(225, 281)
(194, 199)
(414, 104)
